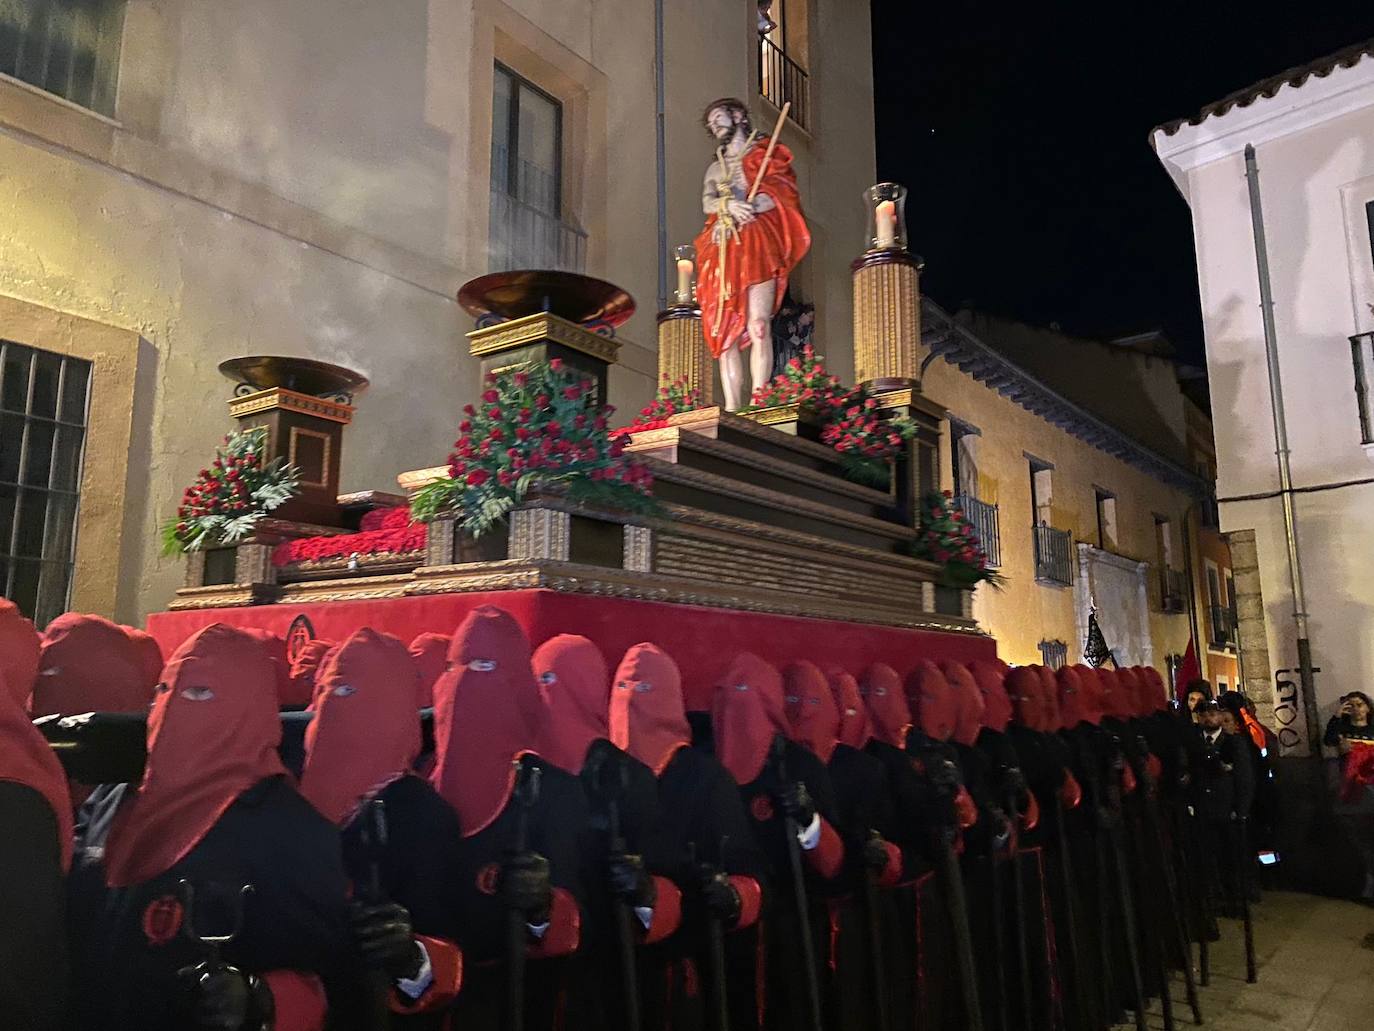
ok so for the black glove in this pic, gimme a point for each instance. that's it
(386, 939)
(796, 803)
(718, 895)
(218, 997)
(944, 775)
(630, 882)
(525, 886)
(875, 852)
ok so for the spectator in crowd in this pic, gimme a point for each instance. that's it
(1224, 791)
(1199, 691)
(1349, 731)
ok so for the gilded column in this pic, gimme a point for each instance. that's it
(682, 353)
(887, 320)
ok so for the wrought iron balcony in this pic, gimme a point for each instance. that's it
(1173, 590)
(1053, 551)
(986, 524)
(525, 236)
(781, 80)
(1223, 627)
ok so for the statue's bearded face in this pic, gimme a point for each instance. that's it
(722, 122)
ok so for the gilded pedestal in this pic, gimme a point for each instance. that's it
(682, 352)
(887, 320)
(540, 338)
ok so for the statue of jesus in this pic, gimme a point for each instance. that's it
(748, 247)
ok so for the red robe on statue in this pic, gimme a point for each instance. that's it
(768, 248)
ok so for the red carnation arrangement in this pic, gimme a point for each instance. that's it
(672, 399)
(538, 428)
(227, 499)
(949, 539)
(866, 437)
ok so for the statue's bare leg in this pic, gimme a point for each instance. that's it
(760, 309)
(732, 375)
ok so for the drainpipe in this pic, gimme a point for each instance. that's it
(660, 141)
(1271, 354)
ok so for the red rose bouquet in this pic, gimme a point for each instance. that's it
(672, 399)
(227, 499)
(538, 427)
(949, 539)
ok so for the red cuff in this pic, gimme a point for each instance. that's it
(750, 900)
(892, 873)
(446, 963)
(827, 857)
(1155, 767)
(299, 1000)
(1030, 819)
(667, 916)
(565, 928)
(964, 809)
(1070, 792)
(1128, 782)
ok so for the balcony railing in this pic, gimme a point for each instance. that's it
(523, 236)
(1173, 590)
(1223, 627)
(1053, 549)
(985, 523)
(1362, 353)
(781, 80)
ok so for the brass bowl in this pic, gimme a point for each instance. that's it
(577, 298)
(303, 375)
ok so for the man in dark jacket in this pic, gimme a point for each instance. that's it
(1223, 793)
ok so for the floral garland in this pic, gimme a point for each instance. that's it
(384, 531)
(949, 539)
(538, 428)
(230, 497)
(866, 438)
(672, 399)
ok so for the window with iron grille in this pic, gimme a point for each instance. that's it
(66, 47)
(1054, 654)
(43, 404)
(782, 58)
(527, 225)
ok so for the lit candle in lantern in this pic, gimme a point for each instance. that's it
(684, 280)
(886, 215)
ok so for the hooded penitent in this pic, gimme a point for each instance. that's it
(881, 689)
(1154, 694)
(430, 652)
(969, 719)
(648, 718)
(288, 693)
(1075, 705)
(575, 688)
(856, 730)
(485, 711)
(1128, 692)
(212, 734)
(303, 671)
(149, 654)
(89, 664)
(1024, 686)
(1115, 697)
(812, 716)
(365, 732)
(997, 706)
(25, 757)
(1049, 698)
(934, 705)
(746, 714)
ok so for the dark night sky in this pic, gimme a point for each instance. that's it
(1022, 134)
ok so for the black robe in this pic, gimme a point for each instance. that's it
(129, 943)
(701, 820)
(558, 827)
(786, 1004)
(417, 868)
(33, 945)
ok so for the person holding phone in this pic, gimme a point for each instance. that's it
(1350, 732)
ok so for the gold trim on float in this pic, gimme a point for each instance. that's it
(538, 328)
(274, 398)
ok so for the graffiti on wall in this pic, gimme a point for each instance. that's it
(1289, 725)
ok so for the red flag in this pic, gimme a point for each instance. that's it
(1188, 670)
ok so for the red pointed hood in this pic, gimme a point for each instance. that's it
(486, 706)
(1154, 692)
(288, 692)
(25, 757)
(366, 729)
(149, 654)
(746, 714)
(813, 718)
(1128, 692)
(856, 730)
(212, 734)
(1113, 698)
(90, 665)
(970, 701)
(1026, 690)
(648, 716)
(1049, 698)
(934, 705)
(1076, 701)
(430, 652)
(991, 678)
(888, 711)
(304, 672)
(575, 689)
